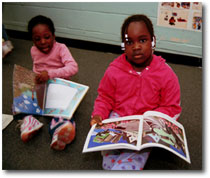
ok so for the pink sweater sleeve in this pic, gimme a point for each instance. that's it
(70, 67)
(170, 97)
(105, 100)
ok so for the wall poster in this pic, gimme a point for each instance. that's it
(182, 15)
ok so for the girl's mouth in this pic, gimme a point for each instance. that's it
(137, 55)
(46, 49)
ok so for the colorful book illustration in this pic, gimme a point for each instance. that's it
(57, 97)
(153, 129)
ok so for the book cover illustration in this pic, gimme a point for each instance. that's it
(125, 131)
(24, 92)
(56, 97)
(162, 131)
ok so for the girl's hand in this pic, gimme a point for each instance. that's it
(42, 77)
(96, 120)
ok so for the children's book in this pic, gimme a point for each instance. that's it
(56, 97)
(153, 129)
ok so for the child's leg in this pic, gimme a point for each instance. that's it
(125, 160)
(62, 132)
(28, 127)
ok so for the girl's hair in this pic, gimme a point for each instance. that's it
(40, 19)
(137, 18)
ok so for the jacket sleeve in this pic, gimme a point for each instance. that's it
(104, 102)
(170, 96)
(70, 66)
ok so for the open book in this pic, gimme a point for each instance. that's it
(153, 129)
(56, 97)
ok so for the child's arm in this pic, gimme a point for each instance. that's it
(170, 97)
(105, 100)
(70, 67)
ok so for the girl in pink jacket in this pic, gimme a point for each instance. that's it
(135, 82)
(50, 59)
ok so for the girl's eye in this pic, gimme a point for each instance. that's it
(36, 39)
(47, 37)
(143, 40)
(129, 42)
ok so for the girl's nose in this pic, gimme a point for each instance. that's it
(136, 46)
(42, 40)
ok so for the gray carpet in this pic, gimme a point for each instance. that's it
(37, 154)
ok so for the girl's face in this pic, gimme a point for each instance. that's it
(138, 46)
(43, 38)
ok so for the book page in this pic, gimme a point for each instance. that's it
(6, 120)
(162, 131)
(63, 97)
(59, 96)
(117, 133)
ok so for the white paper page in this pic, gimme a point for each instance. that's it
(6, 119)
(59, 96)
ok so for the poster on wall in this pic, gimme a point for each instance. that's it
(182, 15)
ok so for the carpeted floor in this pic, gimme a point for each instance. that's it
(37, 154)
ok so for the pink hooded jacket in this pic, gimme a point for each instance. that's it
(59, 62)
(126, 92)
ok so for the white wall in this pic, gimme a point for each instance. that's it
(101, 22)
